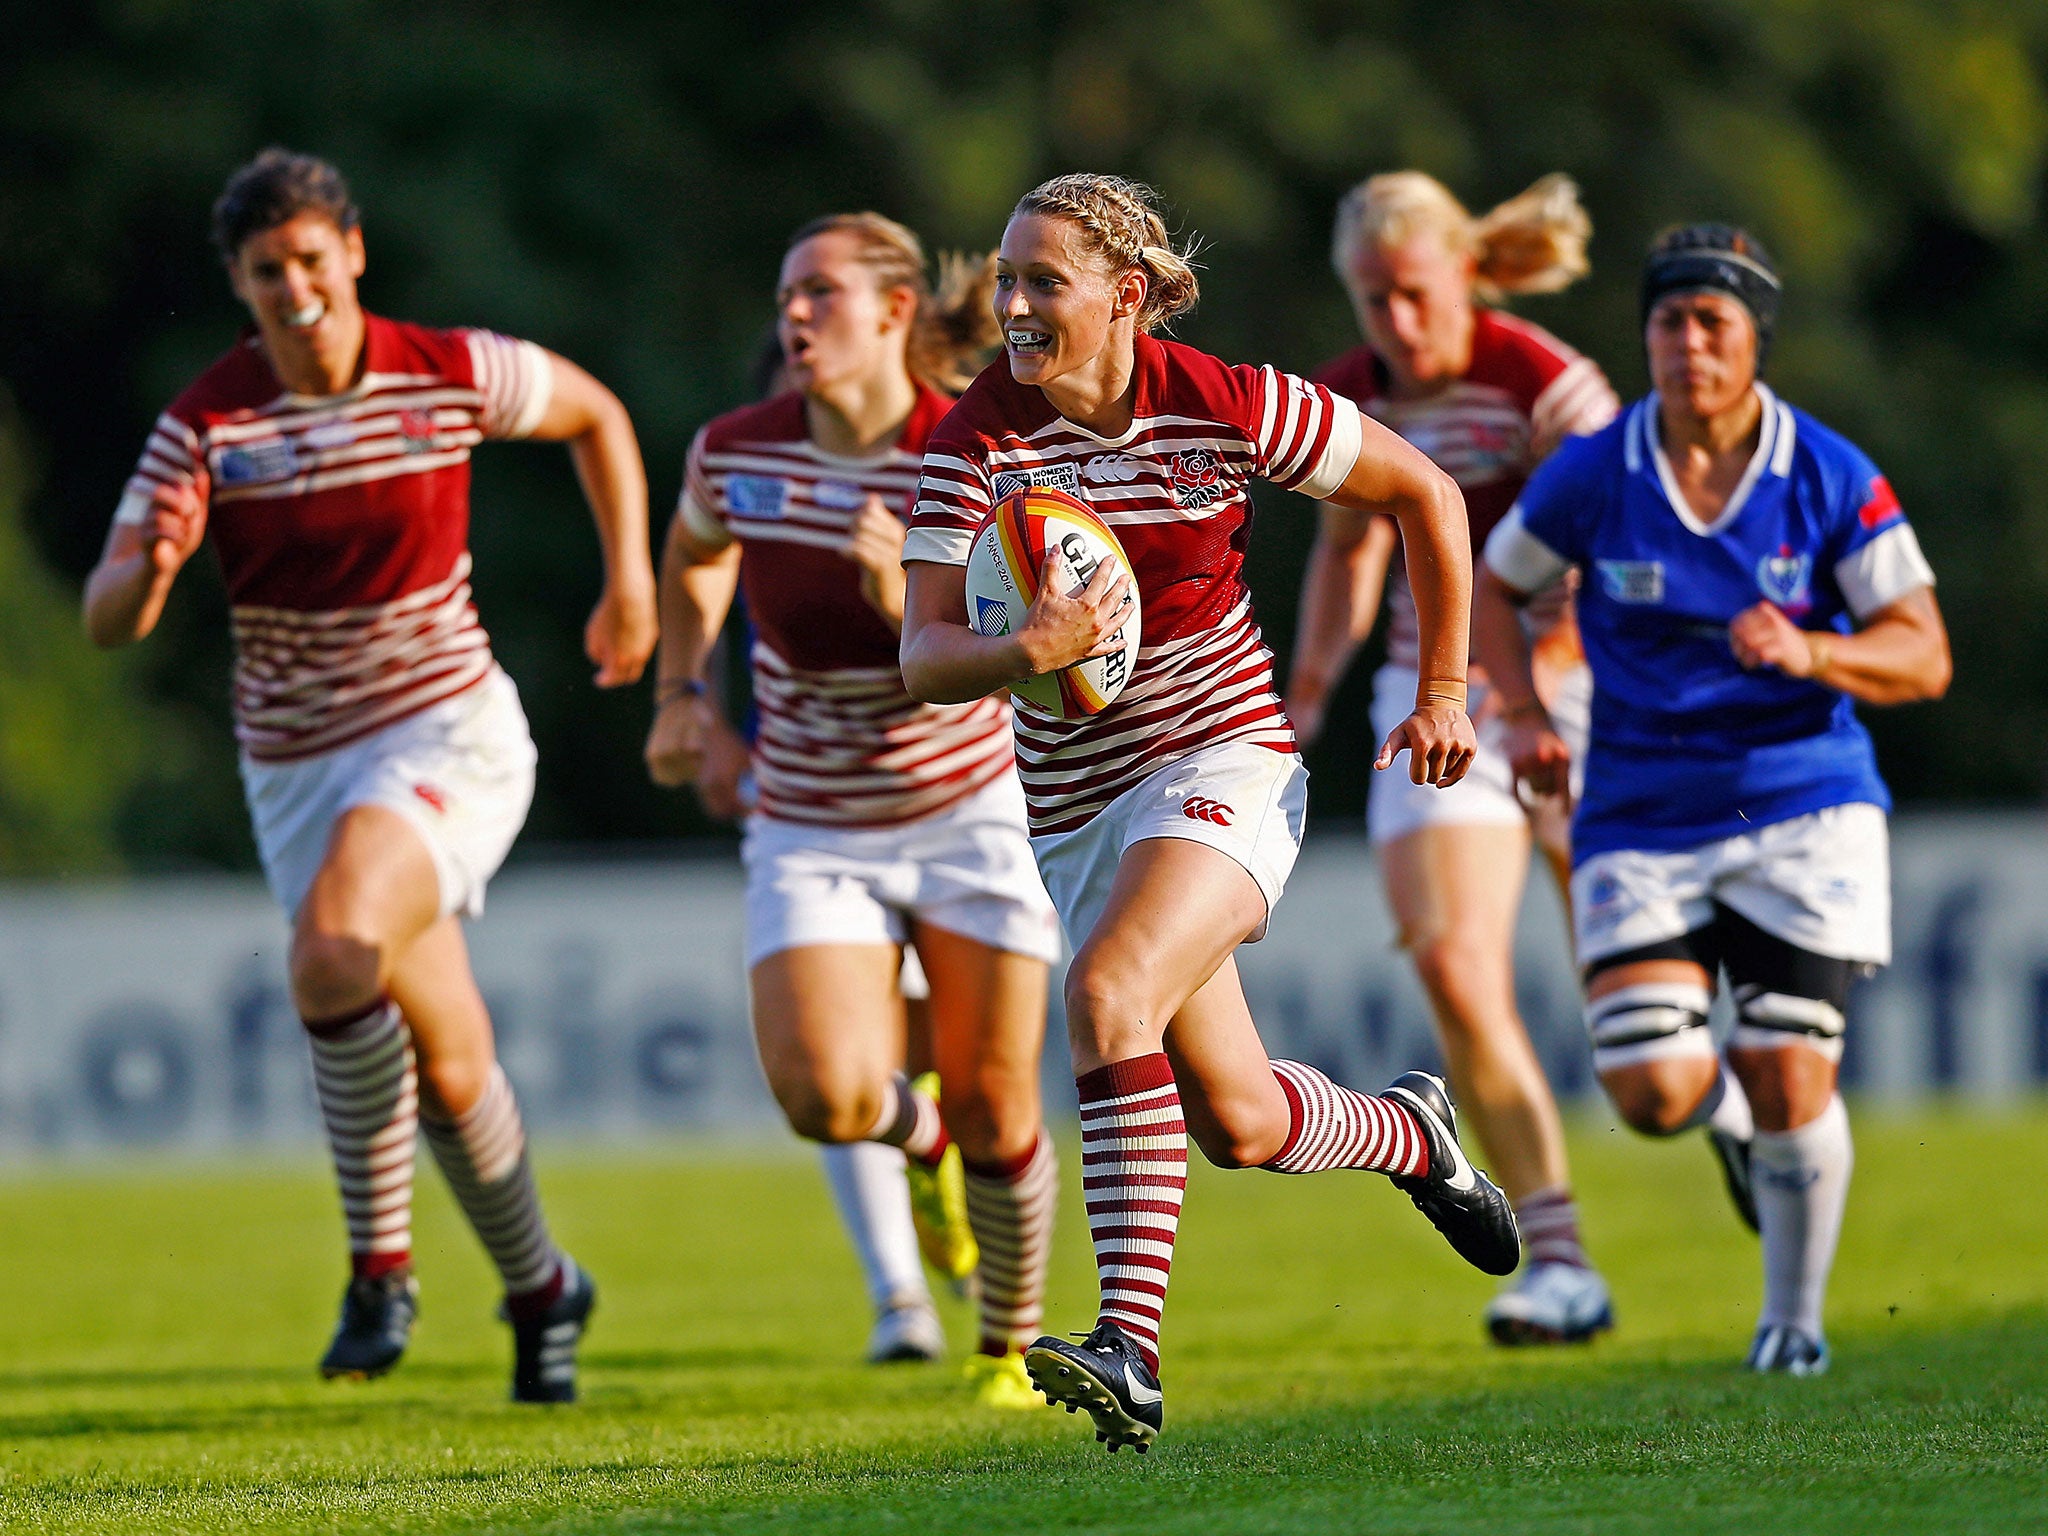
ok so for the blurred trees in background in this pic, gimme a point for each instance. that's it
(617, 180)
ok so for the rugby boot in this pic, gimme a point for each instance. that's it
(908, 1332)
(1551, 1304)
(1460, 1201)
(544, 1342)
(938, 1208)
(1000, 1381)
(1106, 1374)
(376, 1323)
(1787, 1351)
(1732, 1152)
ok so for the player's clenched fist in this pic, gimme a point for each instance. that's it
(1539, 756)
(176, 523)
(1439, 741)
(1761, 636)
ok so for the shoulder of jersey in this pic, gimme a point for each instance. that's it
(1513, 354)
(1354, 374)
(994, 402)
(778, 419)
(1843, 465)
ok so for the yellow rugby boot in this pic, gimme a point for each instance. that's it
(938, 1206)
(1000, 1381)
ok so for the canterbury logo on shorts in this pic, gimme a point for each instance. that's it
(1199, 808)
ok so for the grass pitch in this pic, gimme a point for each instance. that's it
(1325, 1370)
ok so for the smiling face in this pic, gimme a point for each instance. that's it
(1702, 349)
(1059, 303)
(837, 326)
(298, 280)
(1414, 303)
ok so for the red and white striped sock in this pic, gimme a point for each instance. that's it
(1134, 1171)
(1549, 1220)
(483, 1155)
(1010, 1207)
(910, 1120)
(368, 1087)
(1337, 1127)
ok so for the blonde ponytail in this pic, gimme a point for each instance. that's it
(955, 324)
(1123, 224)
(1535, 242)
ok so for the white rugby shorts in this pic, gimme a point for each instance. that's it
(1242, 799)
(1820, 881)
(966, 869)
(461, 772)
(1487, 796)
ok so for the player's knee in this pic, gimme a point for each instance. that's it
(829, 1112)
(1653, 1052)
(451, 1086)
(1648, 1105)
(1106, 1005)
(332, 972)
(1466, 976)
(991, 1126)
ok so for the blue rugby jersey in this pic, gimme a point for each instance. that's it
(1687, 746)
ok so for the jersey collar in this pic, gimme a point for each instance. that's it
(1773, 455)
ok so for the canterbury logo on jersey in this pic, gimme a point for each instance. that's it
(1200, 808)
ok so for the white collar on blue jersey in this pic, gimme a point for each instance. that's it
(1774, 447)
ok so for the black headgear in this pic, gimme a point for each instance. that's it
(1717, 258)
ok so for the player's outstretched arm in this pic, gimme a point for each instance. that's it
(126, 592)
(1340, 599)
(945, 662)
(1394, 477)
(583, 413)
(1899, 656)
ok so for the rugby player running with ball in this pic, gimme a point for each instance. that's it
(1166, 824)
(384, 753)
(1748, 578)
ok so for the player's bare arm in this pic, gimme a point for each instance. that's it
(691, 741)
(946, 662)
(1395, 478)
(1900, 656)
(1340, 599)
(1500, 646)
(126, 592)
(581, 412)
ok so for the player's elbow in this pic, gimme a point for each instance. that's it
(1939, 672)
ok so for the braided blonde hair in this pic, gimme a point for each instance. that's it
(1535, 242)
(1122, 222)
(955, 324)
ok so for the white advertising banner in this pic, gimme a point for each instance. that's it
(155, 1013)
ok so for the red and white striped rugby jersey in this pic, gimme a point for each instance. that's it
(342, 524)
(1173, 488)
(840, 741)
(1524, 393)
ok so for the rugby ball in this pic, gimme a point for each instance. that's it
(1003, 566)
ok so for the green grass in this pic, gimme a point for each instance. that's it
(1324, 1368)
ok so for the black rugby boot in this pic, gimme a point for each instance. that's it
(1733, 1155)
(376, 1323)
(544, 1343)
(1460, 1201)
(1106, 1374)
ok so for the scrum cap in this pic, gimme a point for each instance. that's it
(1716, 258)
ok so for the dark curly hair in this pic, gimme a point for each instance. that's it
(279, 184)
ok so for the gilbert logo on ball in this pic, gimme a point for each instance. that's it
(1003, 564)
